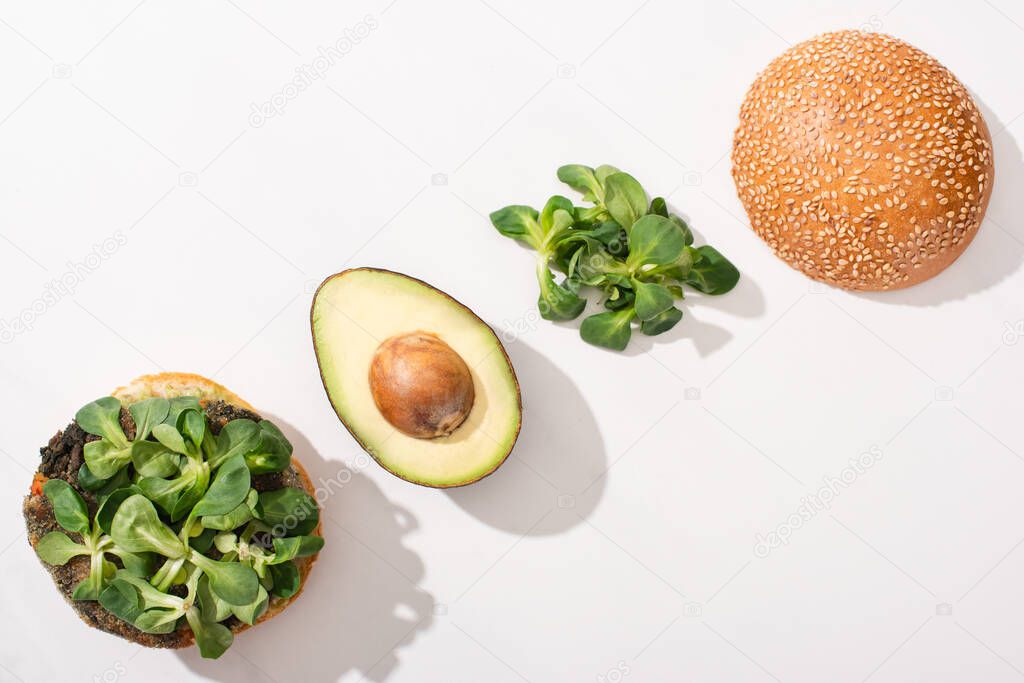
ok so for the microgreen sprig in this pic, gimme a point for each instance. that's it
(635, 251)
(57, 548)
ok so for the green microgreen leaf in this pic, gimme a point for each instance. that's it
(288, 511)
(153, 459)
(603, 172)
(583, 180)
(192, 425)
(519, 223)
(212, 638)
(87, 480)
(236, 518)
(178, 405)
(170, 438)
(684, 227)
(237, 437)
(654, 241)
(229, 489)
(109, 506)
(663, 322)
(105, 458)
(232, 582)
(286, 549)
(139, 564)
(273, 452)
(651, 299)
(147, 414)
(102, 417)
(137, 528)
(68, 506)
(556, 301)
(91, 587)
(620, 297)
(555, 217)
(625, 199)
(121, 599)
(56, 548)
(711, 272)
(287, 580)
(611, 329)
(659, 207)
(251, 612)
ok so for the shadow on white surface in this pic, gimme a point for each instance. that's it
(557, 463)
(993, 255)
(360, 605)
(746, 300)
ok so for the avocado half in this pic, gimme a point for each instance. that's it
(418, 379)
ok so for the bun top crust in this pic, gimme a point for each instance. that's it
(171, 384)
(862, 161)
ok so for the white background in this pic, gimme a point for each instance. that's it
(618, 542)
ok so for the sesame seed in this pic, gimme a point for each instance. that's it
(856, 147)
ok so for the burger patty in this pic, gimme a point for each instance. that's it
(61, 459)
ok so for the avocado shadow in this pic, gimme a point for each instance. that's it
(998, 247)
(361, 603)
(555, 476)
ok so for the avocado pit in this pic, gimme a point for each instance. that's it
(420, 385)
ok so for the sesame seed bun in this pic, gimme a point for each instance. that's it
(862, 161)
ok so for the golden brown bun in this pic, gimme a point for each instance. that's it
(169, 385)
(862, 161)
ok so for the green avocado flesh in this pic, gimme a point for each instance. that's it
(353, 312)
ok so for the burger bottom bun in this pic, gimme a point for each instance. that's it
(170, 385)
